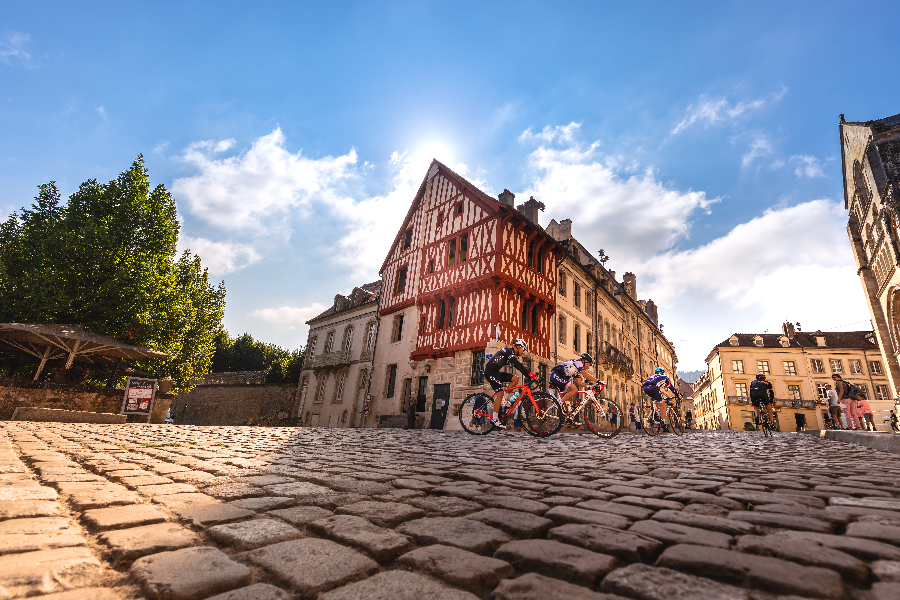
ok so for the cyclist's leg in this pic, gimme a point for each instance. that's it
(770, 410)
(559, 384)
(497, 380)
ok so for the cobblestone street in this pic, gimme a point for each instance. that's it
(178, 512)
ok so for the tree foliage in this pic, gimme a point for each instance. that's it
(107, 260)
(243, 353)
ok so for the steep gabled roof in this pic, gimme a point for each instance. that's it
(856, 340)
(363, 294)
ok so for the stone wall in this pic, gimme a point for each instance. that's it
(55, 415)
(266, 404)
(40, 394)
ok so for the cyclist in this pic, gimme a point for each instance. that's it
(498, 380)
(566, 377)
(761, 392)
(652, 386)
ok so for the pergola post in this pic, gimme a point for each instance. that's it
(72, 354)
(43, 362)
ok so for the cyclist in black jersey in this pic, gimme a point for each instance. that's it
(498, 380)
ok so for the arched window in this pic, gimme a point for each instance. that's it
(329, 343)
(303, 387)
(320, 395)
(339, 391)
(370, 337)
(311, 348)
(348, 339)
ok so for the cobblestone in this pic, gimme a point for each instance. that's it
(300, 513)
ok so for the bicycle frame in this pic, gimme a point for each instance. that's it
(525, 392)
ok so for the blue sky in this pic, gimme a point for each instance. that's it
(696, 143)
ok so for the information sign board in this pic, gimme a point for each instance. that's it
(139, 396)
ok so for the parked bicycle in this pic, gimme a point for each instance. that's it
(597, 418)
(653, 424)
(542, 413)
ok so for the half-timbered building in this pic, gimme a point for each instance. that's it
(464, 270)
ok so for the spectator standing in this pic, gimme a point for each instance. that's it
(517, 417)
(834, 407)
(868, 417)
(848, 400)
(633, 416)
(688, 419)
(893, 418)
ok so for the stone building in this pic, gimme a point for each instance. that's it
(339, 358)
(599, 315)
(464, 271)
(799, 365)
(870, 156)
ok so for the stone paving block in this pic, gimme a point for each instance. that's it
(117, 517)
(182, 500)
(519, 525)
(398, 495)
(365, 488)
(513, 503)
(459, 568)
(538, 587)
(91, 593)
(445, 506)
(629, 547)
(673, 533)
(254, 533)
(263, 503)
(635, 513)
(384, 514)
(562, 515)
(301, 515)
(555, 559)
(257, 591)
(265, 479)
(40, 533)
(99, 496)
(311, 566)
(188, 574)
(781, 521)
(881, 503)
(455, 531)
(11, 494)
(802, 511)
(751, 497)
(382, 544)
(886, 570)
(234, 491)
(875, 531)
(26, 573)
(412, 484)
(712, 523)
(552, 501)
(748, 570)
(125, 473)
(806, 553)
(128, 544)
(622, 490)
(692, 497)
(166, 489)
(17, 509)
(644, 582)
(71, 477)
(396, 585)
(212, 514)
(144, 479)
(649, 503)
(579, 492)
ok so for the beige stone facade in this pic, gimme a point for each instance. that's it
(799, 365)
(339, 357)
(870, 156)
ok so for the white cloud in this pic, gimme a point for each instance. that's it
(220, 258)
(284, 315)
(632, 217)
(792, 262)
(241, 192)
(710, 111)
(562, 133)
(12, 49)
(102, 112)
(807, 166)
(759, 147)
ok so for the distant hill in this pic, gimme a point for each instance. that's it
(691, 376)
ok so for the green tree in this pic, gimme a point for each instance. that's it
(243, 353)
(107, 260)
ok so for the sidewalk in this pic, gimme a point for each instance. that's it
(877, 440)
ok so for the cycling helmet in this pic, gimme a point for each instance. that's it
(760, 375)
(660, 371)
(520, 343)
(587, 358)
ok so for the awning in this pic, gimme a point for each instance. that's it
(48, 342)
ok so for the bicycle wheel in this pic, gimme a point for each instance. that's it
(652, 425)
(475, 414)
(543, 416)
(676, 425)
(766, 426)
(597, 421)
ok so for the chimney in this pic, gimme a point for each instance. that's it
(630, 282)
(788, 329)
(507, 197)
(560, 231)
(652, 312)
(530, 209)
(613, 275)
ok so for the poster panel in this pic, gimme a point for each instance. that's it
(139, 396)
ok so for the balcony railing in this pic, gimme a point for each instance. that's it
(617, 357)
(329, 359)
(807, 404)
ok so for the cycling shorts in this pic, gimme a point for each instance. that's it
(761, 401)
(653, 392)
(558, 382)
(497, 379)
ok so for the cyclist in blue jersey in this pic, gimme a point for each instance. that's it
(498, 380)
(566, 377)
(652, 386)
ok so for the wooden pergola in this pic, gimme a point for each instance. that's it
(49, 342)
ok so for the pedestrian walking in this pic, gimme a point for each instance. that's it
(868, 417)
(834, 407)
(688, 419)
(893, 418)
(633, 417)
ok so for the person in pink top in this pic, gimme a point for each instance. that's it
(848, 400)
(863, 406)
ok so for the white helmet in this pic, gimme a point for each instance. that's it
(521, 343)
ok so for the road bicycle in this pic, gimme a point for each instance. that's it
(542, 414)
(653, 424)
(597, 419)
(762, 423)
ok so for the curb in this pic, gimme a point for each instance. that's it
(886, 442)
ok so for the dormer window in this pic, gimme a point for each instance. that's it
(784, 341)
(820, 339)
(757, 340)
